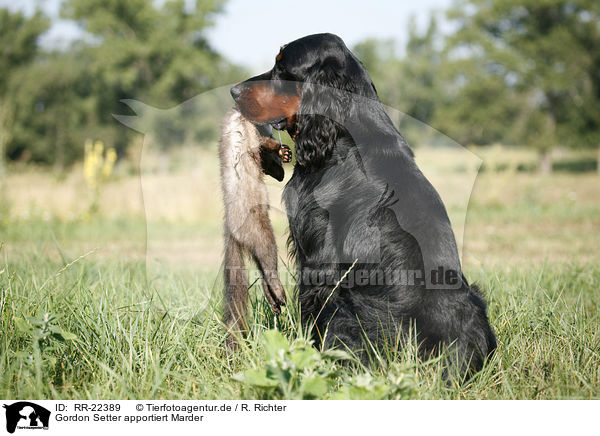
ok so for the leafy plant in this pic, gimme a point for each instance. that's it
(396, 385)
(45, 335)
(298, 371)
(293, 370)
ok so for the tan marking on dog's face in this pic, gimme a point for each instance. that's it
(260, 103)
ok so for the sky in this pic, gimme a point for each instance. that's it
(251, 32)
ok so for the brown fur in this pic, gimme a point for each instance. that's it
(245, 154)
(263, 104)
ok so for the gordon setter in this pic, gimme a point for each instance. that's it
(376, 256)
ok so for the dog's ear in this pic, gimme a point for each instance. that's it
(326, 104)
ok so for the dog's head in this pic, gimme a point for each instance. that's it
(308, 92)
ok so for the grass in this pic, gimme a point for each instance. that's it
(130, 344)
(84, 313)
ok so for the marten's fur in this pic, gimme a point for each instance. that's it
(245, 154)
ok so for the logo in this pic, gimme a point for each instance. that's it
(26, 415)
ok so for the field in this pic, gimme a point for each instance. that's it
(112, 305)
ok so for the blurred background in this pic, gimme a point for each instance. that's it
(514, 82)
(111, 227)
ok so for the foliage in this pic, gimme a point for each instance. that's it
(397, 384)
(18, 42)
(156, 52)
(292, 371)
(298, 371)
(510, 71)
(44, 335)
(51, 104)
(18, 47)
(529, 67)
(410, 84)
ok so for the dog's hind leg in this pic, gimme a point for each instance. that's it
(235, 290)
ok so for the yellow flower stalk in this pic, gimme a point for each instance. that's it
(98, 166)
(109, 162)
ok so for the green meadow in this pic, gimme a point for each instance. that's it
(124, 302)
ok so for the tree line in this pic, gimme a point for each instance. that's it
(517, 72)
(53, 100)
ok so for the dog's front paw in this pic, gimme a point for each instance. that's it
(285, 153)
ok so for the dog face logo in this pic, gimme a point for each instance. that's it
(26, 415)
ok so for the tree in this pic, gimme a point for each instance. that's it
(18, 46)
(52, 110)
(475, 104)
(157, 54)
(410, 83)
(543, 58)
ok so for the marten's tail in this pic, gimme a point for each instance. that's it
(236, 287)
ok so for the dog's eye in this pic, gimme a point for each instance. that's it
(285, 75)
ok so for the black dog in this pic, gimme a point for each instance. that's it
(361, 210)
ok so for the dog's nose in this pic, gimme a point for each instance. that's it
(236, 91)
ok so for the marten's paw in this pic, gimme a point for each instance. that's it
(285, 153)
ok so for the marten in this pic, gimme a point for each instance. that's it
(247, 152)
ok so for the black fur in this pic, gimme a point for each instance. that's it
(356, 195)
